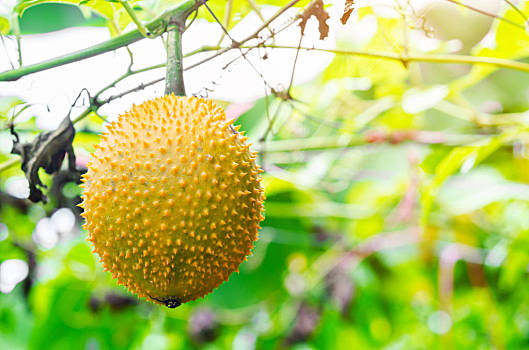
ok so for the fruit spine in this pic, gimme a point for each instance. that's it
(172, 199)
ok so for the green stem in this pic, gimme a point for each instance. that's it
(227, 18)
(157, 26)
(492, 15)
(135, 19)
(83, 115)
(16, 30)
(174, 77)
(493, 61)
(95, 50)
(346, 141)
(9, 163)
(463, 59)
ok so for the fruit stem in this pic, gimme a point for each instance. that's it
(174, 76)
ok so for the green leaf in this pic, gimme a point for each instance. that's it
(7, 103)
(253, 121)
(102, 7)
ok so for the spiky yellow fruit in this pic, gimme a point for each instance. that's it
(172, 199)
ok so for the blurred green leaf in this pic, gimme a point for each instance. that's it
(510, 42)
(5, 25)
(453, 162)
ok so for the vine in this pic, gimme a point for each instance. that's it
(173, 23)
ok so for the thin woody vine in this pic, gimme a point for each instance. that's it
(173, 195)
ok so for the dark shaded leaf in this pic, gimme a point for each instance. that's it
(47, 151)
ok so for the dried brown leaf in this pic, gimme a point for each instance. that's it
(316, 9)
(347, 11)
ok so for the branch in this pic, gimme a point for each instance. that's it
(157, 26)
(270, 20)
(16, 30)
(345, 141)
(238, 45)
(9, 163)
(96, 104)
(492, 61)
(515, 8)
(134, 89)
(485, 13)
(126, 75)
(462, 59)
(256, 9)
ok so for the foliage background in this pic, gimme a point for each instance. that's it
(397, 210)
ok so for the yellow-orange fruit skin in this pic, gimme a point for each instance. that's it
(172, 198)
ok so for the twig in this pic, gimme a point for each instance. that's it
(78, 97)
(443, 59)
(95, 102)
(227, 18)
(124, 76)
(294, 65)
(271, 122)
(16, 30)
(95, 107)
(6, 51)
(224, 29)
(189, 24)
(344, 141)
(319, 121)
(254, 7)
(493, 61)
(506, 20)
(237, 45)
(515, 8)
(270, 20)
(254, 35)
(129, 68)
